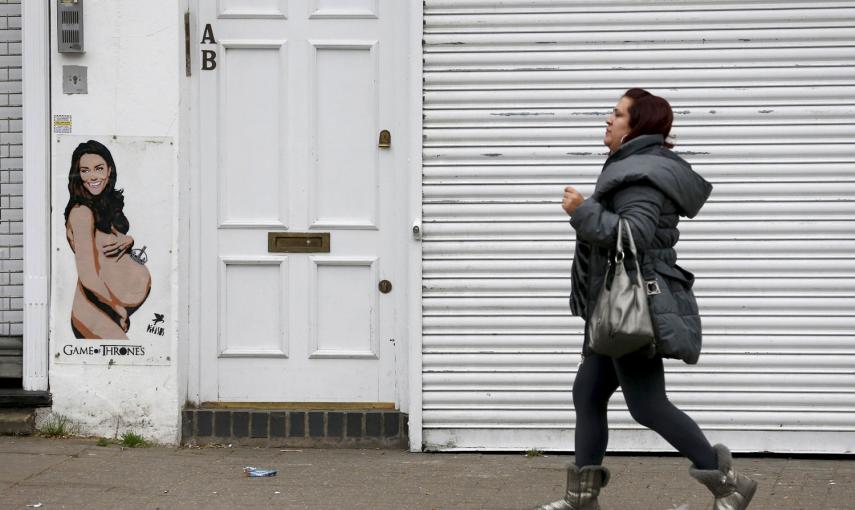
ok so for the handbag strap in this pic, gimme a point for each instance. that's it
(619, 245)
(632, 249)
(619, 255)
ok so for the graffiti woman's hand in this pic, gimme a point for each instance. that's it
(116, 248)
(123, 317)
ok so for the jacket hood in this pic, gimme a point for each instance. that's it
(646, 159)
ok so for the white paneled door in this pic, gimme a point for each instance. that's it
(294, 95)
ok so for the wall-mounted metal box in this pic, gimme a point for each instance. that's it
(69, 29)
(74, 80)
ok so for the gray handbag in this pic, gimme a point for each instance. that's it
(621, 322)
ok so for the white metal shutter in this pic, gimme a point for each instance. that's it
(516, 96)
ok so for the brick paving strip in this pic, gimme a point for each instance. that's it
(75, 473)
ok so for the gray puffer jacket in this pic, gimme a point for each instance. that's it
(651, 187)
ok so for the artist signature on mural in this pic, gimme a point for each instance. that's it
(153, 327)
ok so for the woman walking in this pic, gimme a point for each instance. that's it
(646, 184)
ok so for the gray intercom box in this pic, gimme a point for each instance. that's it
(69, 29)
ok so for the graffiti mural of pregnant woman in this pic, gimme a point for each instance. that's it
(112, 280)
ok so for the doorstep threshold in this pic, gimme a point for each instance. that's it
(302, 406)
(24, 399)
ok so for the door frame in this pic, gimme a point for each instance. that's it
(409, 371)
(35, 35)
(415, 93)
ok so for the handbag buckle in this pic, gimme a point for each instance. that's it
(653, 287)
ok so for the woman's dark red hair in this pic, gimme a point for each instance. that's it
(649, 115)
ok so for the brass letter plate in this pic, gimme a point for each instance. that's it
(298, 242)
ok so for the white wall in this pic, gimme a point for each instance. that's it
(135, 60)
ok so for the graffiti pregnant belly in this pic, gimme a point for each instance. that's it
(127, 279)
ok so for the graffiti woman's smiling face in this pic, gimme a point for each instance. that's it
(94, 172)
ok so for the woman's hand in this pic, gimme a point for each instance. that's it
(572, 200)
(122, 312)
(116, 248)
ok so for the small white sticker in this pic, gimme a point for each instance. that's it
(62, 124)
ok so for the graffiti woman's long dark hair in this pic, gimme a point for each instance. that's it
(107, 207)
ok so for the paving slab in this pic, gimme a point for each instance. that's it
(76, 473)
(21, 466)
(46, 446)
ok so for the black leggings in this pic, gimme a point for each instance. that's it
(642, 380)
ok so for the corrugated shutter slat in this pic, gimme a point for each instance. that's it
(516, 93)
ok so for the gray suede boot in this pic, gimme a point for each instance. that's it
(583, 488)
(732, 491)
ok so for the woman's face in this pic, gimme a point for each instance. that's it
(617, 125)
(94, 173)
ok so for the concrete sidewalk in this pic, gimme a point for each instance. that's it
(75, 473)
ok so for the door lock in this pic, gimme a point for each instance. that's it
(385, 286)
